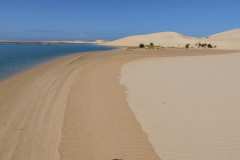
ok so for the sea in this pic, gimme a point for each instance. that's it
(15, 58)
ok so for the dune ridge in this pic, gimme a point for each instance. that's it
(163, 38)
(225, 40)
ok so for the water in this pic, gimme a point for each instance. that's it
(16, 58)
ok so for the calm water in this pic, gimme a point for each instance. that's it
(15, 58)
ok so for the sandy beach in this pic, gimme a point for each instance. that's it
(119, 80)
(124, 104)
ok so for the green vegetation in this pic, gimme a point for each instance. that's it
(141, 45)
(205, 45)
(187, 46)
(151, 44)
(210, 46)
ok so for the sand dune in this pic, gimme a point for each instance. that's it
(227, 40)
(228, 35)
(166, 39)
(189, 106)
(224, 40)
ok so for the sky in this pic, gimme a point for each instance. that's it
(112, 19)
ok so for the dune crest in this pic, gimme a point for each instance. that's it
(224, 40)
(227, 40)
(231, 34)
(166, 39)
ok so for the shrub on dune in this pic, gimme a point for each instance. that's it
(151, 44)
(187, 46)
(141, 45)
(210, 46)
(205, 45)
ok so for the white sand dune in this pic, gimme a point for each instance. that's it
(166, 39)
(224, 40)
(189, 106)
(227, 40)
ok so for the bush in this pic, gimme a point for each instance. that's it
(151, 44)
(210, 46)
(141, 46)
(187, 45)
(204, 45)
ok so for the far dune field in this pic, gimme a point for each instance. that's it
(225, 40)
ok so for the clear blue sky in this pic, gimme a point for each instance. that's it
(109, 19)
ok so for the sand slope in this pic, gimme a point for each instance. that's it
(225, 40)
(189, 106)
(166, 39)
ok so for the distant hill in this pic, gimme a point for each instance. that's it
(166, 39)
(224, 40)
(227, 40)
(227, 35)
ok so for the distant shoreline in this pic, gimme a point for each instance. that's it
(45, 42)
(224, 40)
(15, 58)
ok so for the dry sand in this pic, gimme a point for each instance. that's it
(225, 40)
(165, 39)
(188, 106)
(75, 108)
(70, 109)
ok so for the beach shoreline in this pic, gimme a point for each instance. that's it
(74, 107)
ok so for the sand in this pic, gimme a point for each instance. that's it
(165, 39)
(75, 108)
(224, 40)
(188, 106)
(70, 109)
(227, 40)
